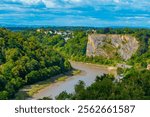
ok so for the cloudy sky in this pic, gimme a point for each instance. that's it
(98, 13)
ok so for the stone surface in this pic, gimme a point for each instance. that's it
(111, 45)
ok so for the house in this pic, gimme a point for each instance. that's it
(38, 30)
(124, 66)
(148, 67)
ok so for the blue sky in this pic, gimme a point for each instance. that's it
(97, 13)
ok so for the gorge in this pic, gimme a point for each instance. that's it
(111, 45)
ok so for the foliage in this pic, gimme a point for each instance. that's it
(135, 85)
(30, 56)
(26, 59)
(75, 48)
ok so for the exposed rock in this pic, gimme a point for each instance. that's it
(111, 45)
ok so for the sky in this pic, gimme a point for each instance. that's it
(93, 13)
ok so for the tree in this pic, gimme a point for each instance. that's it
(2, 82)
(63, 96)
(4, 95)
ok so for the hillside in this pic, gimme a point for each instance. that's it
(30, 56)
(24, 60)
(111, 46)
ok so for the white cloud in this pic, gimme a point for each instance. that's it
(51, 3)
(74, 1)
(29, 2)
(117, 1)
(136, 4)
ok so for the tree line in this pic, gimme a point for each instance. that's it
(134, 86)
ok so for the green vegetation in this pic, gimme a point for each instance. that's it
(30, 56)
(76, 72)
(136, 82)
(26, 59)
(30, 90)
(63, 78)
(75, 48)
(104, 88)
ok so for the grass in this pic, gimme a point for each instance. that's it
(29, 91)
(75, 72)
(32, 89)
(35, 88)
(63, 78)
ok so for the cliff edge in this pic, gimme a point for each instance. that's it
(111, 46)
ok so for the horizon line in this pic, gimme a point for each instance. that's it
(46, 26)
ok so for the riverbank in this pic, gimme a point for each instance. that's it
(88, 75)
(52, 87)
(112, 69)
(29, 90)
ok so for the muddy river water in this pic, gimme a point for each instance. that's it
(88, 75)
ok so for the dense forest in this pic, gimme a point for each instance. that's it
(29, 56)
(24, 60)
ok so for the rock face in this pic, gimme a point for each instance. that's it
(111, 46)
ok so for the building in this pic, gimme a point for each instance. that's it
(148, 66)
(124, 66)
(38, 30)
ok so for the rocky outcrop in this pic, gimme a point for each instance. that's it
(111, 45)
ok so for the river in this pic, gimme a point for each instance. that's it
(88, 75)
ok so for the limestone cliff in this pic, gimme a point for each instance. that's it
(111, 45)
